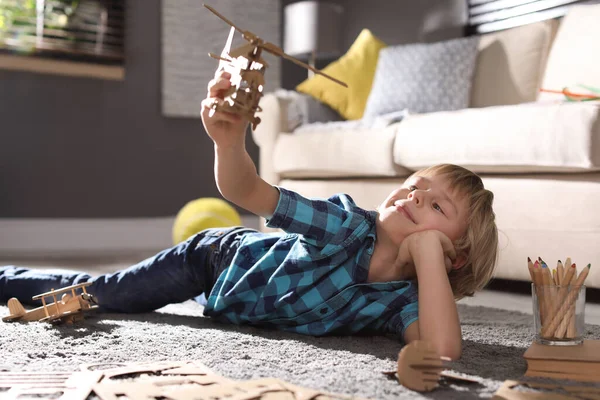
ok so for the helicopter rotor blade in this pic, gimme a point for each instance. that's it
(249, 36)
(271, 48)
(223, 18)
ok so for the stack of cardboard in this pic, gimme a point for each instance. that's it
(178, 380)
(579, 363)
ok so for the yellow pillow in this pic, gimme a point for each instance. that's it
(356, 68)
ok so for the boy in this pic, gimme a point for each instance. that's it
(338, 269)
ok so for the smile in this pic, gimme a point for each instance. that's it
(402, 210)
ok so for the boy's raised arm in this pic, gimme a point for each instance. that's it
(235, 172)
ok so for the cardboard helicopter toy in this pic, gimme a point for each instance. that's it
(68, 309)
(247, 69)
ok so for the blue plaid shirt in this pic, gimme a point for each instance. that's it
(312, 279)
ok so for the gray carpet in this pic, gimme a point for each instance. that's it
(494, 341)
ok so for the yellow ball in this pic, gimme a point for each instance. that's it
(201, 214)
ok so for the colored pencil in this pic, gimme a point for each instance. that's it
(567, 265)
(560, 273)
(571, 271)
(571, 94)
(572, 329)
(539, 290)
(548, 289)
(566, 322)
(530, 268)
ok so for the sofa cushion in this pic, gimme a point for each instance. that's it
(356, 68)
(532, 137)
(575, 55)
(334, 153)
(423, 77)
(510, 65)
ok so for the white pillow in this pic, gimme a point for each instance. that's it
(423, 77)
(510, 65)
(575, 55)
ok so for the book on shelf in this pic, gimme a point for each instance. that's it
(580, 362)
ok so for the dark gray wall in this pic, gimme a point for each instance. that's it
(394, 22)
(405, 21)
(85, 148)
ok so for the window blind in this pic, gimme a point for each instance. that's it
(76, 30)
(494, 15)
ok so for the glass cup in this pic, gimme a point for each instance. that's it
(558, 314)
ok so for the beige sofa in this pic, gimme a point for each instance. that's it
(538, 154)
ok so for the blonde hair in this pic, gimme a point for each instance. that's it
(480, 243)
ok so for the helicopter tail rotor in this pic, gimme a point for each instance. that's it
(217, 57)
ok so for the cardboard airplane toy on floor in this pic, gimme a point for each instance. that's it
(68, 309)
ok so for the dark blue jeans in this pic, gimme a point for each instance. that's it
(174, 275)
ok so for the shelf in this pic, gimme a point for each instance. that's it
(60, 67)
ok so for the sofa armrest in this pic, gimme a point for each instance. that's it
(282, 112)
(274, 120)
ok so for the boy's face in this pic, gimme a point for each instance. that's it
(421, 204)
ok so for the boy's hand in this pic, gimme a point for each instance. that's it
(418, 246)
(225, 129)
